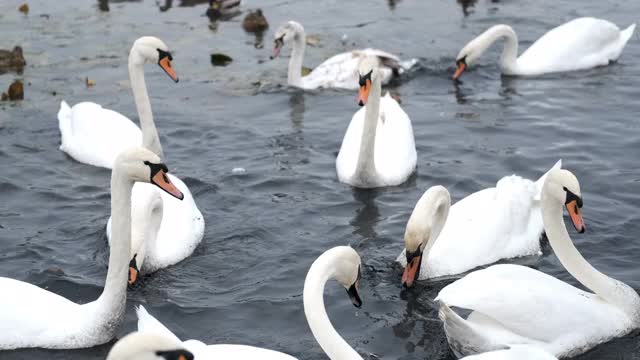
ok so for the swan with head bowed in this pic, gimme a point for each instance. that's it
(33, 317)
(164, 230)
(496, 223)
(579, 44)
(378, 148)
(143, 346)
(515, 305)
(341, 263)
(339, 71)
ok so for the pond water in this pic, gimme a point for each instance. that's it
(264, 228)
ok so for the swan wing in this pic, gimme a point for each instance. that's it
(148, 323)
(578, 44)
(516, 352)
(515, 302)
(94, 135)
(395, 150)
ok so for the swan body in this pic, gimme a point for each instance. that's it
(516, 352)
(33, 317)
(378, 148)
(143, 346)
(339, 71)
(496, 223)
(513, 305)
(164, 230)
(341, 263)
(94, 135)
(149, 324)
(579, 44)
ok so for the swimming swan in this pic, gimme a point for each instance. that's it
(142, 346)
(496, 223)
(341, 263)
(33, 317)
(94, 135)
(340, 70)
(378, 148)
(579, 44)
(514, 305)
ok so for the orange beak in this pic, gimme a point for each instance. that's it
(133, 275)
(161, 180)
(461, 68)
(576, 216)
(363, 94)
(165, 64)
(411, 271)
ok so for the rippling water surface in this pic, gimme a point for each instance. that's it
(244, 282)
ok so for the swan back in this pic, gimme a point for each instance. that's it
(148, 346)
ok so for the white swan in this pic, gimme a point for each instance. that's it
(339, 71)
(164, 231)
(94, 135)
(378, 148)
(143, 346)
(34, 317)
(579, 44)
(516, 352)
(341, 263)
(496, 223)
(514, 305)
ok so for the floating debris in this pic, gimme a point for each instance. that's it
(12, 60)
(16, 91)
(313, 40)
(89, 82)
(255, 22)
(24, 8)
(238, 171)
(220, 60)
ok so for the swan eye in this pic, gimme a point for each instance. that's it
(571, 197)
(164, 54)
(462, 61)
(363, 79)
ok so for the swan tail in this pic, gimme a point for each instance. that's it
(64, 121)
(626, 34)
(406, 65)
(463, 338)
(540, 182)
(147, 323)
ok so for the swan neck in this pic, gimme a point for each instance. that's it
(150, 138)
(509, 57)
(570, 257)
(113, 297)
(366, 167)
(325, 334)
(294, 77)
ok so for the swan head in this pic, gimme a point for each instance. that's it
(344, 264)
(562, 187)
(367, 74)
(286, 33)
(476, 47)
(423, 228)
(148, 346)
(150, 49)
(140, 164)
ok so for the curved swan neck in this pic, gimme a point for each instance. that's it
(294, 76)
(427, 220)
(601, 284)
(146, 218)
(509, 57)
(113, 297)
(366, 167)
(330, 341)
(150, 138)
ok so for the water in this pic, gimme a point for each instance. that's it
(244, 282)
